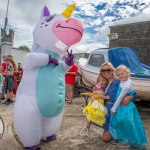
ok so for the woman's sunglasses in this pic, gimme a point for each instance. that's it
(106, 70)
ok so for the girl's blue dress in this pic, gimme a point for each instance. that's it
(126, 125)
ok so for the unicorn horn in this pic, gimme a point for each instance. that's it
(67, 13)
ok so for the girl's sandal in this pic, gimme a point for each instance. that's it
(68, 102)
(114, 142)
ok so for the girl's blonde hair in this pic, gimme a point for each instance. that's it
(108, 64)
(124, 68)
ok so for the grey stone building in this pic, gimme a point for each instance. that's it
(7, 40)
(6, 45)
(133, 35)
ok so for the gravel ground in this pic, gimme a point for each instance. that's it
(71, 135)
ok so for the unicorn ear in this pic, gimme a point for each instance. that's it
(45, 12)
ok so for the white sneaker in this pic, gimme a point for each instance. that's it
(125, 145)
(86, 131)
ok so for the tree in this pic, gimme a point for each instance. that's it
(24, 48)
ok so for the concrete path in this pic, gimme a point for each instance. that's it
(71, 135)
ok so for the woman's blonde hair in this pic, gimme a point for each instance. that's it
(124, 68)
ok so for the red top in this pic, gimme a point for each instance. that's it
(4, 64)
(70, 79)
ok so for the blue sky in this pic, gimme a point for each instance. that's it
(95, 15)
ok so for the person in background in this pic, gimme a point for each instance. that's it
(9, 81)
(15, 73)
(20, 73)
(126, 126)
(1, 83)
(4, 65)
(70, 81)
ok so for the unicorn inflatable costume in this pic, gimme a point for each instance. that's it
(40, 97)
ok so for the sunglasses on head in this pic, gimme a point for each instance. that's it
(105, 70)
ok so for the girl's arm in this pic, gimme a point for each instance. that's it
(120, 98)
(66, 67)
(102, 96)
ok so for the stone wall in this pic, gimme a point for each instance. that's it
(18, 55)
(134, 35)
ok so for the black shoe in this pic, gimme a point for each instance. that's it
(9, 102)
(66, 100)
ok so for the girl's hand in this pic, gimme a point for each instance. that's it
(107, 97)
(92, 98)
(112, 112)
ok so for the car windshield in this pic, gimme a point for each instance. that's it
(96, 60)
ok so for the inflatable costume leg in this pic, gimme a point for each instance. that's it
(50, 126)
(27, 122)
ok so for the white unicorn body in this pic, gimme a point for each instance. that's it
(40, 97)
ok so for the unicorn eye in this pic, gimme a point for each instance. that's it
(48, 19)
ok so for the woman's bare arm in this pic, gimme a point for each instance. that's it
(126, 100)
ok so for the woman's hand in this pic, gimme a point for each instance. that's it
(126, 100)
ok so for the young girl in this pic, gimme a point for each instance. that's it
(126, 126)
(95, 111)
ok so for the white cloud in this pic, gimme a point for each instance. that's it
(96, 22)
(126, 11)
(102, 12)
(146, 11)
(88, 10)
(109, 19)
(87, 48)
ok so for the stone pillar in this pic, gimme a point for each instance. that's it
(6, 43)
(6, 48)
